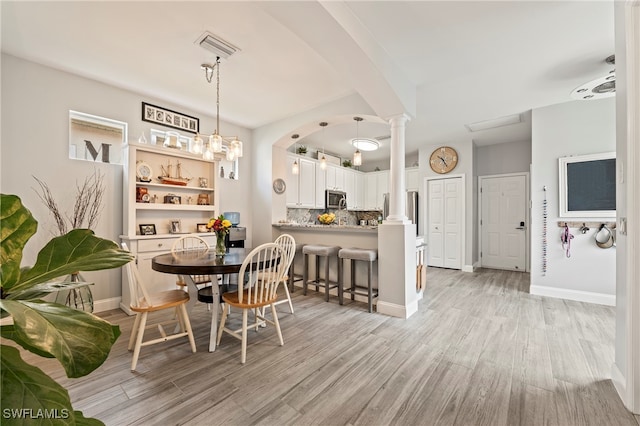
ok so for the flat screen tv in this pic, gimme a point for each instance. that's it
(587, 185)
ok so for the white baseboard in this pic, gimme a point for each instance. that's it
(468, 268)
(619, 382)
(398, 311)
(106, 304)
(577, 295)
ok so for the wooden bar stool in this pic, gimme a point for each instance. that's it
(292, 275)
(353, 254)
(319, 251)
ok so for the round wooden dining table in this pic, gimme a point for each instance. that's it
(190, 263)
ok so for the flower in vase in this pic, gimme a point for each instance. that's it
(219, 225)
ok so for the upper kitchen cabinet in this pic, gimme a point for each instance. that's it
(376, 185)
(354, 187)
(301, 188)
(335, 177)
(412, 178)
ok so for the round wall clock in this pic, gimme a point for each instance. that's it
(143, 171)
(443, 159)
(279, 186)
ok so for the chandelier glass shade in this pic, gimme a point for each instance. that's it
(323, 160)
(357, 156)
(216, 143)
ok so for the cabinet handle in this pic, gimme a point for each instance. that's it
(160, 244)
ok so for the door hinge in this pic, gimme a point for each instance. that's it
(480, 222)
(480, 254)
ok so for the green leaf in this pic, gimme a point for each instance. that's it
(78, 250)
(17, 225)
(40, 290)
(9, 332)
(79, 340)
(27, 391)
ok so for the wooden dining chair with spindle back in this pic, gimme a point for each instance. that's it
(260, 275)
(143, 302)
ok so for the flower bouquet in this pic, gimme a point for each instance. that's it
(221, 227)
(326, 218)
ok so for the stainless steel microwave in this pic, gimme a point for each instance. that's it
(335, 199)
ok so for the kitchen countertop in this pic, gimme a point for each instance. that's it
(320, 227)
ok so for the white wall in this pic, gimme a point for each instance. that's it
(572, 128)
(35, 113)
(503, 158)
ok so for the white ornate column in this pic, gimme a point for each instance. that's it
(397, 295)
(396, 173)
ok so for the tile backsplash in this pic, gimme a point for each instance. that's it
(347, 217)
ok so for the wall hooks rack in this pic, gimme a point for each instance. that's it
(581, 224)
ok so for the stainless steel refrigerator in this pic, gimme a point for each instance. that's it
(411, 207)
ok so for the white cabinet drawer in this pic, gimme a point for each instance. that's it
(159, 244)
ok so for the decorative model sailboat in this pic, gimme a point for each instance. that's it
(173, 180)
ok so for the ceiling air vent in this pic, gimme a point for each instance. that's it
(216, 45)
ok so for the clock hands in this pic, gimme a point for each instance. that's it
(444, 162)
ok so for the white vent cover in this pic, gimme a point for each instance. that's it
(216, 45)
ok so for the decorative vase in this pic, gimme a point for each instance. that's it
(221, 250)
(79, 296)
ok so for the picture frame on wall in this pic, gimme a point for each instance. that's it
(169, 118)
(147, 229)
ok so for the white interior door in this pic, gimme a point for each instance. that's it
(444, 235)
(503, 222)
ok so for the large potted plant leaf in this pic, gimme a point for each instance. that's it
(79, 340)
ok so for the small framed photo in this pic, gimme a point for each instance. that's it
(202, 227)
(175, 227)
(147, 229)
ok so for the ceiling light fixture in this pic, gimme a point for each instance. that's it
(603, 87)
(323, 160)
(492, 124)
(295, 167)
(217, 143)
(357, 156)
(365, 144)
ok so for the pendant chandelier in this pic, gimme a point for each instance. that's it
(357, 156)
(295, 167)
(323, 160)
(216, 143)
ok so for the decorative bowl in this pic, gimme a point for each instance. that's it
(326, 218)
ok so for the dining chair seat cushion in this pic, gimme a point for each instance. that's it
(161, 300)
(232, 298)
(368, 255)
(320, 250)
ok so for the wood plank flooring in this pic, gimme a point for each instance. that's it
(480, 351)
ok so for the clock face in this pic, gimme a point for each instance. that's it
(443, 160)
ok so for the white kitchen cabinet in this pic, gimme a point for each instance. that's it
(412, 179)
(377, 184)
(160, 204)
(301, 188)
(335, 177)
(321, 184)
(354, 187)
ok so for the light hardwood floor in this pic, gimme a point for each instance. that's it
(480, 351)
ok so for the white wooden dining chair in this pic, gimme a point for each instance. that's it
(261, 270)
(143, 302)
(288, 245)
(191, 243)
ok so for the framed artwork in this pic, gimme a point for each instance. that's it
(176, 226)
(147, 229)
(168, 118)
(202, 227)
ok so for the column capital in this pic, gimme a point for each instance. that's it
(398, 119)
